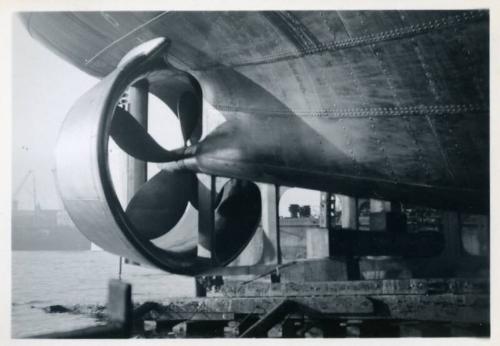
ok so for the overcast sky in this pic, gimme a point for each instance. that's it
(44, 88)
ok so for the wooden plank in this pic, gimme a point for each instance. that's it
(194, 316)
(453, 308)
(331, 305)
(354, 288)
(463, 308)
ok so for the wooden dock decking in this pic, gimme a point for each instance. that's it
(370, 308)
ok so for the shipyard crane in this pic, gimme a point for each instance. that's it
(20, 187)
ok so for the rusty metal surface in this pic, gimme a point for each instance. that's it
(384, 104)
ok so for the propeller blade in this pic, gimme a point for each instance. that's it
(236, 218)
(189, 109)
(160, 203)
(134, 139)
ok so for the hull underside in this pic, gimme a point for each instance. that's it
(384, 104)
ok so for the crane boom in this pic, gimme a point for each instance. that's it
(20, 186)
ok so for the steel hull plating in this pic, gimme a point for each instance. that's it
(384, 104)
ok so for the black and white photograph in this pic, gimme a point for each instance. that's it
(267, 173)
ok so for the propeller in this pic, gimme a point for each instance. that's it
(160, 202)
(160, 212)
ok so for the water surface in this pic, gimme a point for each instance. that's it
(43, 278)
